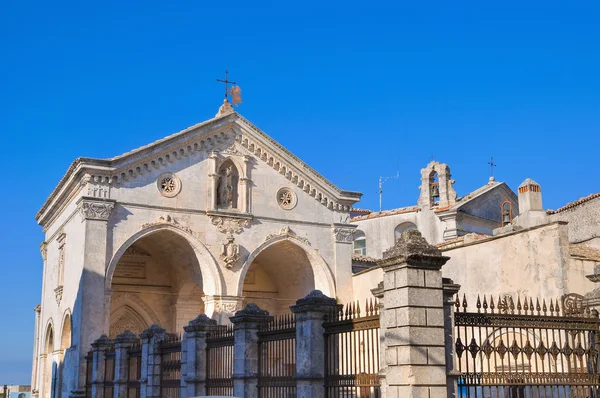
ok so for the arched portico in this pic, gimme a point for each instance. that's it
(282, 270)
(159, 275)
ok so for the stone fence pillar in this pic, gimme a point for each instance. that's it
(246, 324)
(413, 318)
(99, 348)
(311, 311)
(150, 380)
(193, 355)
(122, 344)
(450, 291)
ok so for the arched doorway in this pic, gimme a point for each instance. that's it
(157, 279)
(65, 343)
(277, 276)
(48, 365)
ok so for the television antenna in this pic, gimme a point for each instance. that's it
(382, 180)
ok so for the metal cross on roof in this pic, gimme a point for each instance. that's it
(492, 165)
(227, 83)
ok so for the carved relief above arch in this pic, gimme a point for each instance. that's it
(135, 303)
(126, 318)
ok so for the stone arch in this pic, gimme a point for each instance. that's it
(323, 276)
(237, 162)
(359, 242)
(133, 313)
(49, 347)
(66, 330)
(209, 269)
(404, 226)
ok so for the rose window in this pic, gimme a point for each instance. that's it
(286, 199)
(169, 185)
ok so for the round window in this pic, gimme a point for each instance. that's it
(286, 198)
(168, 184)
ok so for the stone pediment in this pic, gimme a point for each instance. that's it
(230, 134)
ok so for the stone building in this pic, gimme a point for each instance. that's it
(219, 215)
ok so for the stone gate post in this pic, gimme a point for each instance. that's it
(122, 344)
(413, 318)
(99, 348)
(193, 358)
(246, 324)
(311, 311)
(450, 291)
(150, 380)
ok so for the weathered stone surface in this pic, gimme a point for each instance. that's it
(201, 322)
(314, 301)
(152, 331)
(126, 337)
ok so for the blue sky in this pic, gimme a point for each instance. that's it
(355, 89)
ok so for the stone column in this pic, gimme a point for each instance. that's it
(193, 358)
(86, 312)
(150, 377)
(343, 235)
(450, 291)
(122, 344)
(36, 342)
(245, 351)
(378, 293)
(99, 348)
(311, 312)
(413, 318)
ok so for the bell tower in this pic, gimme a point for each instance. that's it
(436, 186)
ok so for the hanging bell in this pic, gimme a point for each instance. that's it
(435, 191)
(506, 218)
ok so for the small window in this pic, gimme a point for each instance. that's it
(405, 226)
(506, 213)
(360, 243)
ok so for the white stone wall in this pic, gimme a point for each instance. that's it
(584, 224)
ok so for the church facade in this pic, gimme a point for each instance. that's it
(220, 215)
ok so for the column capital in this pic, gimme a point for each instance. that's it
(95, 208)
(412, 250)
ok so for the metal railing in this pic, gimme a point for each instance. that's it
(527, 347)
(109, 372)
(134, 370)
(277, 358)
(219, 361)
(352, 352)
(170, 366)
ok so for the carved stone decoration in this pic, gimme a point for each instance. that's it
(58, 293)
(288, 233)
(232, 150)
(168, 184)
(168, 220)
(95, 210)
(227, 187)
(44, 250)
(344, 235)
(286, 199)
(230, 225)
(228, 307)
(230, 252)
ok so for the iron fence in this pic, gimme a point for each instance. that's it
(277, 358)
(527, 348)
(109, 372)
(170, 366)
(219, 361)
(89, 368)
(134, 370)
(352, 352)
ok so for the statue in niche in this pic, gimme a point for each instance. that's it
(227, 191)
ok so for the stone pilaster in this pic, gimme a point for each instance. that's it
(378, 293)
(343, 235)
(150, 378)
(95, 214)
(413, 318)
(99, 348)
(193, 363)
(122, 344)
(221, 308)
(311, 312)
(246, 324)
(450, 291)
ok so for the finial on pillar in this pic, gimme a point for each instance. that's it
(412, 248)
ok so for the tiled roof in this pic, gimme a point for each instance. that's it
(363, 259)
(574, 204)
(385, 213)
(357, 210)
(584, 252)
(450, 242)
